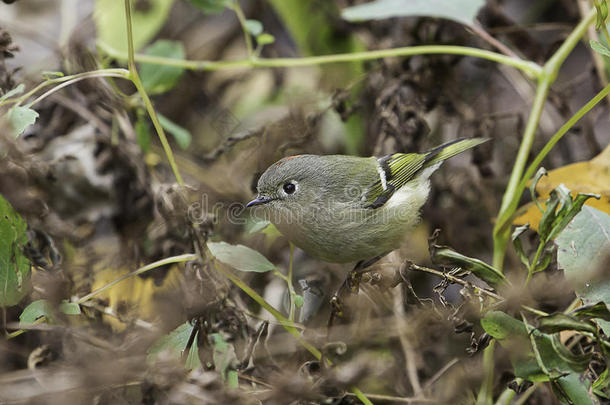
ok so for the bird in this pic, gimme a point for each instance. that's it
(341, 208)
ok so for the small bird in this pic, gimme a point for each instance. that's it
(346, 208)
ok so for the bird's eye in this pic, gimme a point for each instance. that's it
(289, 188)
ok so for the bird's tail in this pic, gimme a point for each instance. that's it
(450, 149)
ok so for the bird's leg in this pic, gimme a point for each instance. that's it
(351, 284)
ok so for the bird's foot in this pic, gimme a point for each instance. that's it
(350, 286)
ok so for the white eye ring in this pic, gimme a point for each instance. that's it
(289, 187)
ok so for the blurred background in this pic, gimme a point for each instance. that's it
(92, 181)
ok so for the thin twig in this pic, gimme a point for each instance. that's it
(440, 373)
(455, 280)
(480, 31)
(410, 364)
(467, 284)
(402, 400)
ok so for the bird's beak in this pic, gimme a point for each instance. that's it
(260, 200)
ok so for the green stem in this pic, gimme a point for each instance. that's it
(18, 332)
(485, 396)
(573, 305)
(512, 195)
(70, 82)
(503, 221)
(242, 21)
(508, 394)
(360, 395)
(531, 170)
(534, 310)
(290, 286)
(552, 66)
(168, 260)
(174, 259)
(135, 78)
(506, 397)
(532, 266)
(530, 68)
(524, 397)
(285, 322)
(511, 198)
(122, 73)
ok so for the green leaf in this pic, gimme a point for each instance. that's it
(192, 360)
(599, 47)
(571, 390)
(254, 27)
(147, 20)
(21, 118)
(240, 257)
(568, 211)
(560, 209)
(34, 311)
(158, 79)
(541, 172)
(298, 300)
(583, 247)
(512, 334)
(447, 256)
(601, 386)
(14, 266)
(549, 362)
(181, 135)
(577, 362)
(175, 342)
(41, 308)
(500, 325)
(223, 355)
(265, 39)
(599, 310)
(211, 6)
(517, 243)
(69, 308)
(546, 222)
(558, 322)
(143, 133)
(464, 11)
(17, 90)
(533, 354)
(547, 255)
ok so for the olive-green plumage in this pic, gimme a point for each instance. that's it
(346, 208)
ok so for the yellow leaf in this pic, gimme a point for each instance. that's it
(135, 297)
(583, 177)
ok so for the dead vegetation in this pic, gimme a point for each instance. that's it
(92, 182)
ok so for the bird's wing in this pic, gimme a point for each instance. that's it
(394, 172)
(398, 169)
